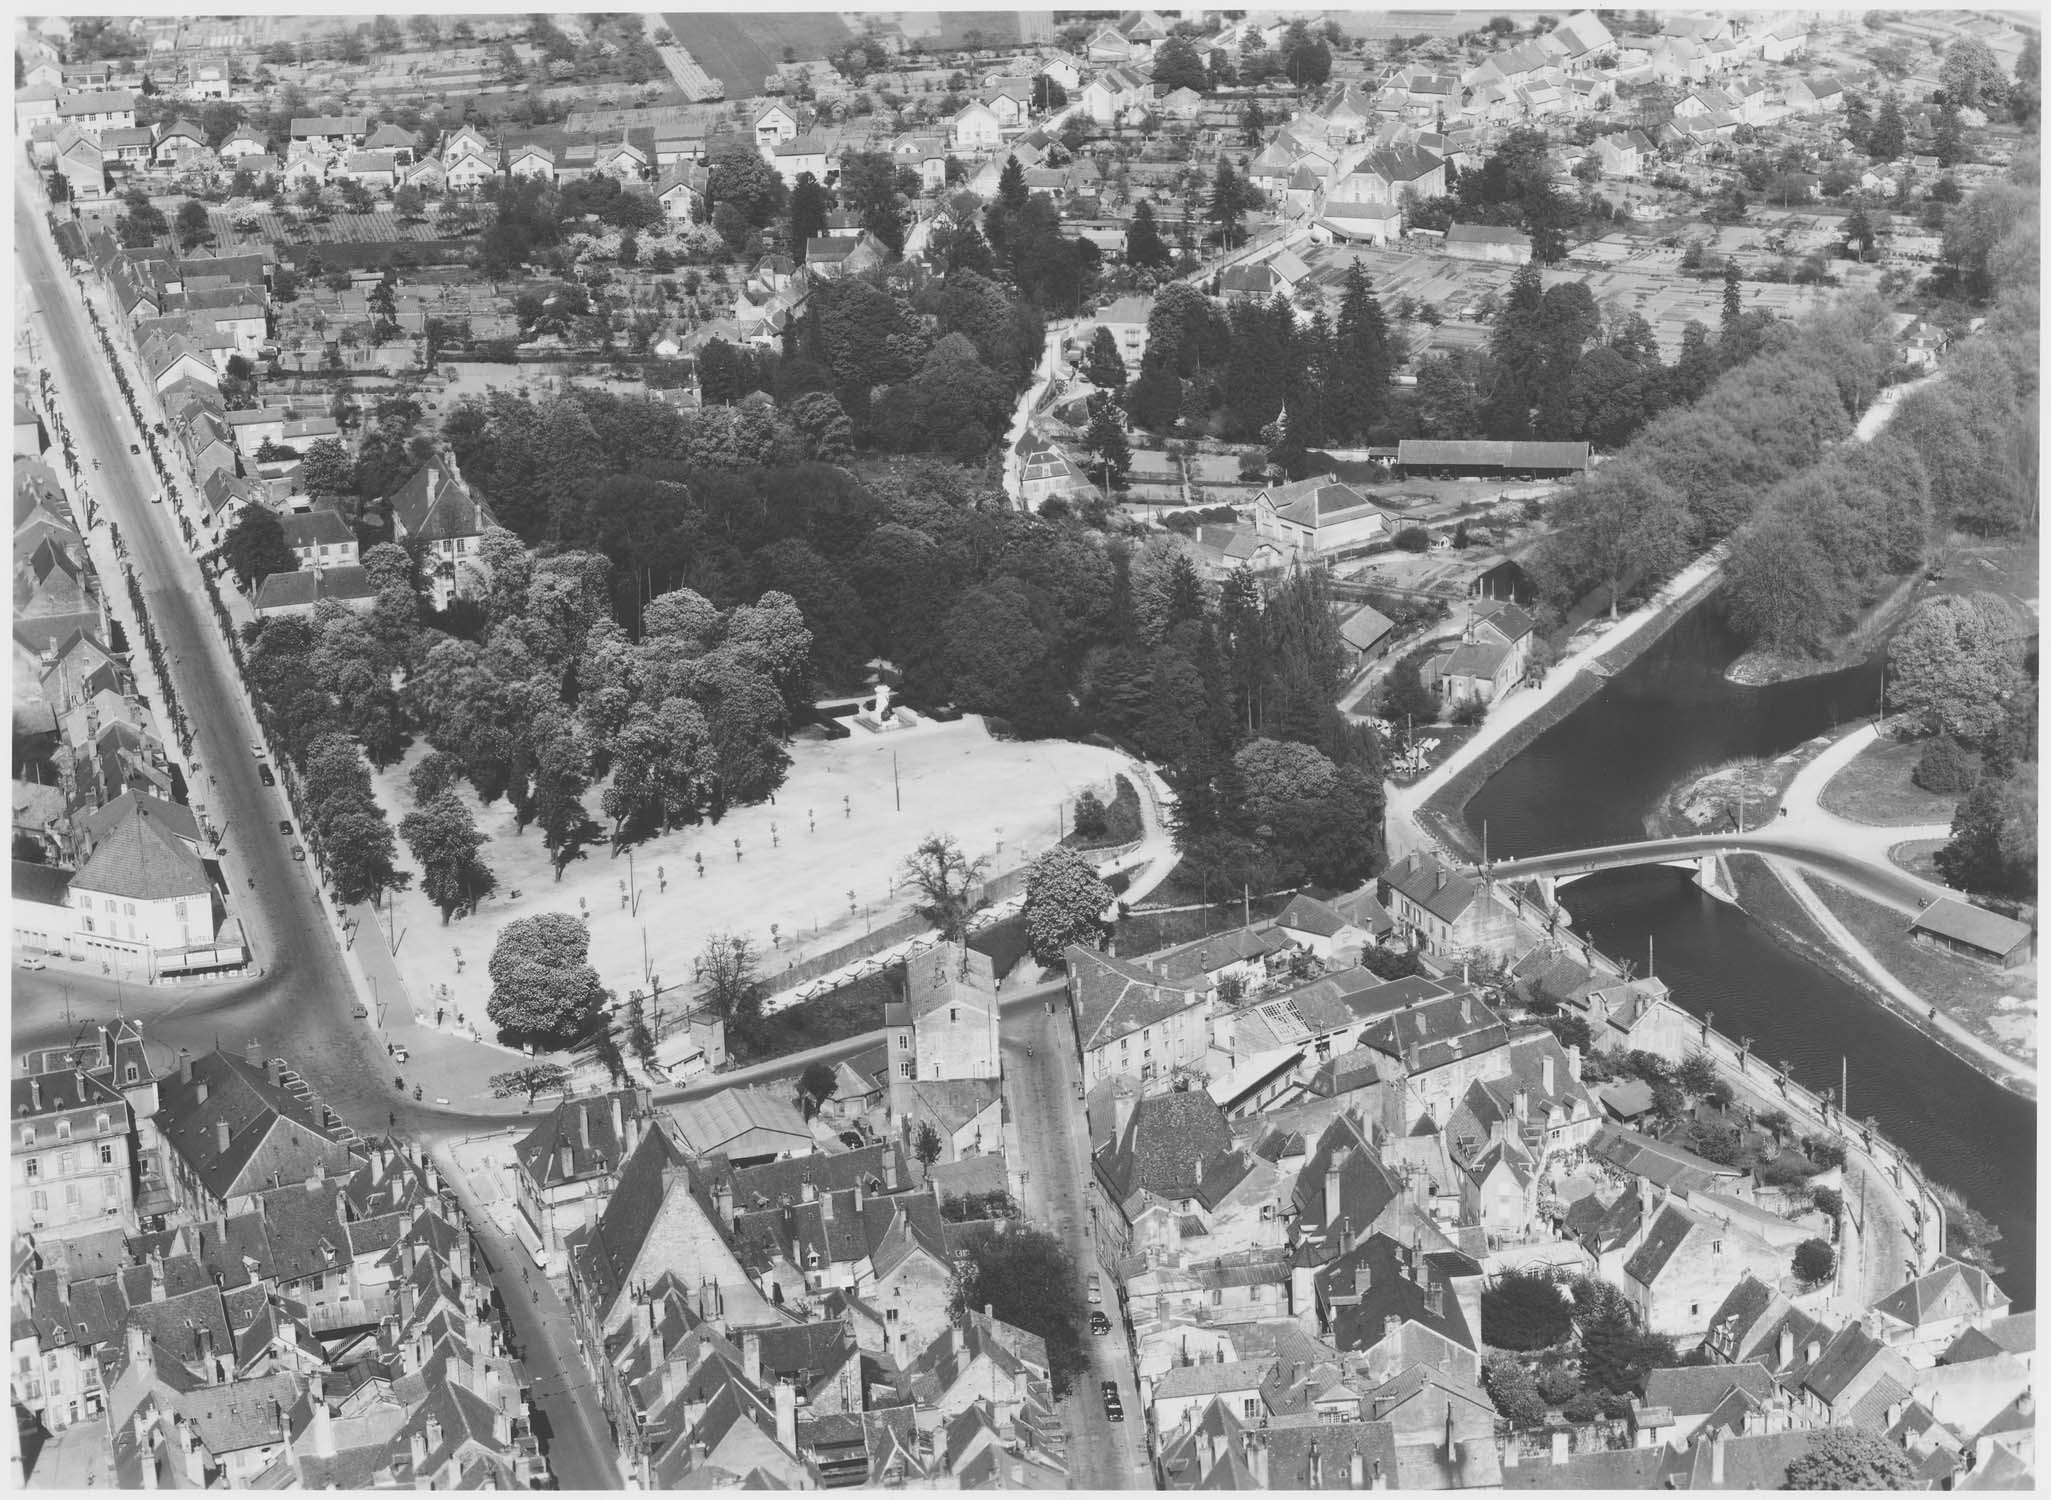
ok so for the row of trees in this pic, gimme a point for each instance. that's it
(1693, 476)
(1231, 372)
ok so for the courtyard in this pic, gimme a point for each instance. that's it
(814, 869)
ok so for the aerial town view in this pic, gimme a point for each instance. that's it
(1189, 749)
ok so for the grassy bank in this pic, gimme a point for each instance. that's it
(1970, 993)
(1768, 902)
(1878, 788)
(851, 1010)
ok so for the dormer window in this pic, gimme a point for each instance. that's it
(103, 1124)
(63, 1130)
(28, 1135)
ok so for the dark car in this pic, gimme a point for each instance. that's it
(1113, 1407)
(1099, 1324)
(135, 447)
(265, 776)
(285, 827)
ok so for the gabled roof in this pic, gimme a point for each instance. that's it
(1952, 1290)
(1116, 997)
(1389, 1280)
(1176, 1145)
(1696, 1390)
(1670, 1230)
(435, 505)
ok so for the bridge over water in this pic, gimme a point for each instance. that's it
(1881, 881)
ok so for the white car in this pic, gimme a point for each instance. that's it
(33, 964)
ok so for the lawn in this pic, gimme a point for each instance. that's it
(1876, 788)
(848, 814)
(1918, 857)
(742, 49)
(1998, 1006)
(853, 1009)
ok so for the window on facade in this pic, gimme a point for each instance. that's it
(953, 1014)
(38, 1200)
(103, 1124)
(63, 1130)
(1716, 1247)
(904, 1070)
(131, 909)
(106, 1156)
(71, 1195)
(181, 911)
(1251, 1407)
(28, 1135)
(64, 1164)
(110, 1194)
(130, 1074)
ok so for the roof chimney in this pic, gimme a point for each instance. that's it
(221, 1136)
(1523, 1104)
(1814, 1350)
(751, 1357)
(568, 1161)
(1787, 1346)
(1546, 1076)
(274, 1072)
(35, 1093)
(1356, 1474)
(200, 1092)
(184, 1066)
(1716, 1446)
(787, 1415)
(1574, 1062)
(1439, 883)
(584, 1126)
(619, 1127)
(826, 1207)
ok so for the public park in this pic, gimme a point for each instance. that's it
(813, 869)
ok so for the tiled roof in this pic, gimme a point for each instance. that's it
(142, 858)
(1669, 1231)
(1116, 997)
(1697, 1389)
(1952, 1290)
(1990, 932)
(1176, 1145)
(435, 505)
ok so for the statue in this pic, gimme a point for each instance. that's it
(881, 707)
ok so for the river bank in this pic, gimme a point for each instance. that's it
(1438, 803)
(1765, 897)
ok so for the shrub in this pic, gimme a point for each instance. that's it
(1412, 539)
(1947, 766)
(1815, 1262)
(1470, 711)
(1089, 815)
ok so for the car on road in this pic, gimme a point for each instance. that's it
(285, 827)
(1114, 1408)
(135, 447)
(1096, 1289)
(1099, 1324)
(264, 774)
(299, 854)
(32, 964)
(256, 748)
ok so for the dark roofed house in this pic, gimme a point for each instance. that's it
(1130, 1021)
(570, 1160)
(1442, 908)
(436, 509)
(297, 592)
(1386, 1300)
(233, 1130)
(1958, 927)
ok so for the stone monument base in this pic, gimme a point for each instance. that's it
(894, 718)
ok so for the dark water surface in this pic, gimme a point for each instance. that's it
(1593, 779)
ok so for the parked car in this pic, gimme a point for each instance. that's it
(285, 827)
(1096, 1288)
(1099, 1324)
(1113, 1407)
(135, 447)
(32, 963)
(264, 775)
(256, 748)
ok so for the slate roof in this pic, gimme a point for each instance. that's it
(141, 857)
(1190, 962)
(316, 528)
(1366, 1186)
(434, 504)
(1418, 878)
(1696, 1390)
(1669, 1231)
(583, 1125)
(1175, 1145)
(1116, 997)
(342, 582)
(1951, 1290)
(1318, 502)
(1365, 628)
(1438, 1032)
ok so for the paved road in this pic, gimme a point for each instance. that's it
(302, 1005)
(1040, 1091)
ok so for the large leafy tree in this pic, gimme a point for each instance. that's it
(1102, 365)
(1229, 201)
(736, 175)
(1851, 1458)
(1178, 64)
(255, 547)
(444, 840)
(1064, 903)
(1144, 247)
(945, 882)
(542, 988)
(1026, 1277)
(1993, 846)
(1950, 667)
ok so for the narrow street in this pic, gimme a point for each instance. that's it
(1053, 1134)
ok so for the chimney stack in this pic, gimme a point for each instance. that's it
(323, 1420)
(826, 1207)
(1524, 1102)
(274, 1073)
(584, 1126)
(1356, 1470)
(890, 1171)
(1716, 1446)
(220, 1134)
(1546, 1077)
(184, 1066)
(859, 1195)
(751, 1357)
(1574, 1062)
(567, 1160)
(787, 1415)
(1787, 1346)
(252, 1053)
(619, 1124)
(200, 1091)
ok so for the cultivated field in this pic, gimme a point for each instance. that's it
(741, 49)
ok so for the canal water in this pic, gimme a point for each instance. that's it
(1596, 776)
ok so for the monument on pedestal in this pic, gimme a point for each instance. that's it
(880, 715)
